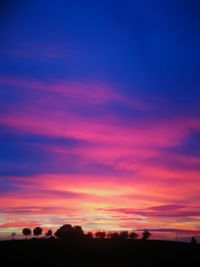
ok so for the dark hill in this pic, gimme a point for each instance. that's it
(96, 253)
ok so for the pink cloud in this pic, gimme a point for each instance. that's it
(85, 93)
(166, 211)
(19, 224)
(69, 124)
(139, 185)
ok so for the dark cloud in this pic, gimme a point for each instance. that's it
(166, 211)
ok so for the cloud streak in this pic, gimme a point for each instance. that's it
(79, 166)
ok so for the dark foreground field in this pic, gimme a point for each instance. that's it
(104, 253)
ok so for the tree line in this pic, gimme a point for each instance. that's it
(67, 231)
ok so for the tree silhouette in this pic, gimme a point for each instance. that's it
(145, 235)
(193, 241)
(78, 231)
(37, 231)
(100, 234)
(97, 234)
(133, 235)
(26, 232)
(64, 232)
(89, 235)
(49, 233)
(13, 235)
(114, 235)
(123, 235)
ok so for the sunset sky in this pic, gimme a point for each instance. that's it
(100, 115)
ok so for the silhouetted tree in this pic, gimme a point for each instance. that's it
(37, 231)
(145, 235)
(193, 241)
(65, 231)
(89, 235)
(133, 235)
(100, 234)
(49, 233)
(108, 235)
(13, 235)
(123, 235)
(97, 234)
(114, 235)
(26, 232)
(78, 231)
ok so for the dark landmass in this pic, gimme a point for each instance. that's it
(98, 252)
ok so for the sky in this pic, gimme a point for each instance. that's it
(100, 115)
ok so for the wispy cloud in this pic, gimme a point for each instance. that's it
(85, 93)
(57, 156)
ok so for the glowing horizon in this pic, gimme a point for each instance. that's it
(93, 144)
